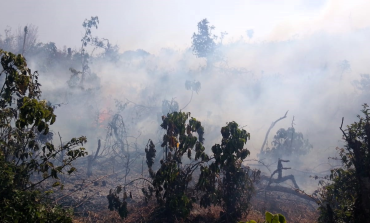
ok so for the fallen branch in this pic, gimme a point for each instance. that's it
(295, 192)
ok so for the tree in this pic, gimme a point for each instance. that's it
(170, 182)
(225, 182)
(25, 161)
(22, 42)
(286, 143)
(203, 43)
(346, 193)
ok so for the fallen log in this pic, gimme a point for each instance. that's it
(294, 192)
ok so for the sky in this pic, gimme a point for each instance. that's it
(152, 25)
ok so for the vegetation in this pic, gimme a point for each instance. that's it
(225, 182)
(346, 194)
(204, 44)
(222, 181)
(182, 175)
(287, 143)
(270, 218)
(171, 181)
(26, 158)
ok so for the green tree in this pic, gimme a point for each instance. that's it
(170, 181)
(286, 143)
(225, 182)
(203, 42)
(346, 194)
(25, 161)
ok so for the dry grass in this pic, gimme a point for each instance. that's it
(295, 210)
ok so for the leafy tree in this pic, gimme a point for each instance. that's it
(286, 143)
(346, 195)
(203, 43)
(87, 39)
(193, 85)
(25, 160)
(225, 182)
(170, 182)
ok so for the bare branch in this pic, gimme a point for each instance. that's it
(344, 134)
(268, 131)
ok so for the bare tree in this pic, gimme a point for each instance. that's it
(26, 38)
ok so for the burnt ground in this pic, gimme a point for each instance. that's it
(87, 197)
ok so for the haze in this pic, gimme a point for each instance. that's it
(303, 56)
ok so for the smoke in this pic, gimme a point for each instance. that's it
(306, 66)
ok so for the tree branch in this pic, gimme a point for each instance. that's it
(344, 134)
(268, 131)
(295, 192)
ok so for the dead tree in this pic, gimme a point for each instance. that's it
(91, 160)
(24, 39)
(280, 178)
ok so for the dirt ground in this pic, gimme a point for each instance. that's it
(87, 197)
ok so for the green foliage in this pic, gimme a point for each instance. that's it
(170, 181)
(338, 196)
(346, 195)
(224, 181)
(116, 204)
(270, 218)
(193, 85)
(23, 117)
(25, 205)
(203, 43)
(287, 143)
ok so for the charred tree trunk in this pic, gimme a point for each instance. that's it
(91, 160)
(89, 165)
